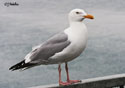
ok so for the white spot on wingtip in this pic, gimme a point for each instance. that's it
(27, 58)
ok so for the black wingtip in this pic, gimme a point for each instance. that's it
(12, 69)
(17, 66)
(21, 65)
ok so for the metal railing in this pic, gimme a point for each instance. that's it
(113, 81)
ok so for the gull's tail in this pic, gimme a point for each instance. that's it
(21, 65)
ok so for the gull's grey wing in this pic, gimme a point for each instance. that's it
(49, 48)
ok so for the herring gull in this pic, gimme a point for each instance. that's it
(61, 48)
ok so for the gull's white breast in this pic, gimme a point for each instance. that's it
(77, 34)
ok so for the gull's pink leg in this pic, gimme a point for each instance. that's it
(60, 82)
(68, 79)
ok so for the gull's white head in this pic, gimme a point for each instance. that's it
(79, 15)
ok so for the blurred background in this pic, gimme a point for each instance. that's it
(34, 21)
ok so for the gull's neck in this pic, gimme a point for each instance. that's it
(76, 29)
(76, 26)
(75, 23)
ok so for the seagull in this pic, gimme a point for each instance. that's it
(61, 48)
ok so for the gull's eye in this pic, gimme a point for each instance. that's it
(77, 12)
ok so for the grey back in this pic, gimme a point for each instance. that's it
(49, 48)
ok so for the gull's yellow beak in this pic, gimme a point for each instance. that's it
(89, 16)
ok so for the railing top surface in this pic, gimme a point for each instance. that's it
(98, 82)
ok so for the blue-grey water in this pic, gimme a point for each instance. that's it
(34, 21)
